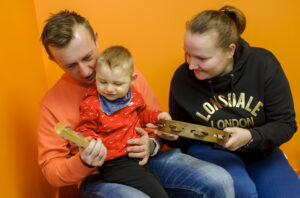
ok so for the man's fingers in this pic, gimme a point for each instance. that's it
(95, 153)
(89, 138)
(143, 161)
(102, 150)
(141, 131)
(135, 149)
(102, 156)
(97, 147)
(137, 141)
(137, 155)
(89, 149)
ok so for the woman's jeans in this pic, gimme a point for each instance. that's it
(271, 177)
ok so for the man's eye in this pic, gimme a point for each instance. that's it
(87, 58)
(118, 84)
(71, 66)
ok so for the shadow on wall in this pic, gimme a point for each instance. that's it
(25, 145)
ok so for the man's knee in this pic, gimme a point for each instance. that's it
(220, 184)
(210, 180)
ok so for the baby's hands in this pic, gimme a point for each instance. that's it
(163, 135)
(164, 116)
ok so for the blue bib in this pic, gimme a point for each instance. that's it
(110, 107)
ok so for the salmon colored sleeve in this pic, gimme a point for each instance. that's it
(58, 166)
(150, 99)
(144, 89)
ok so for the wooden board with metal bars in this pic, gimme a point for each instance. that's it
(184, 129)
(69, 134)
(193, 131)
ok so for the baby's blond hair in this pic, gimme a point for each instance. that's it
(116, 56)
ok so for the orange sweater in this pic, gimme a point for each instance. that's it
(58, 158)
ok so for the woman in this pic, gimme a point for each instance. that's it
(242, 90)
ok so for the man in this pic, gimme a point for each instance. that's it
(71, 42)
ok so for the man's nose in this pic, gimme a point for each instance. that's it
(193, 64)
(84, 69)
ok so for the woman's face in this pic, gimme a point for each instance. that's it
(204, 57)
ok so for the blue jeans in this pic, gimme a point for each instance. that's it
(270, 177)
(181, 175)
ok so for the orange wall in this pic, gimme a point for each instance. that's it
(152, 30)
(22, 85)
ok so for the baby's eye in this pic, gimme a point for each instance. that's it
(202, 58)
(102, 82)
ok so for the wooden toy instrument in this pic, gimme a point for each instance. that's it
(193, 131)
(67, 133)
(184, 129)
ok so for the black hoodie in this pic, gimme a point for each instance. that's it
(254, 95)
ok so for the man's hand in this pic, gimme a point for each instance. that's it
(141, 147)
(94, 154)
(238, 137)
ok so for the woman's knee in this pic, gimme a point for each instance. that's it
(245, 189)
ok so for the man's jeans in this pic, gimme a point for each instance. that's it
(181, 175)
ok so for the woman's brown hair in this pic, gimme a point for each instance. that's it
(229, 23)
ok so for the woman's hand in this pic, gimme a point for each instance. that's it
(238, 137)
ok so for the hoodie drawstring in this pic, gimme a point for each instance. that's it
(231, 83)
(210, 82)
(211, 88)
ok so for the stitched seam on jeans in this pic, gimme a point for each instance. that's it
(95, 193)
(185, 188)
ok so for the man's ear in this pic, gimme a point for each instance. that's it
(133, 78)
(49, 54)
(51, 58)
(96, 39)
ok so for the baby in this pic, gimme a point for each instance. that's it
(111, 110)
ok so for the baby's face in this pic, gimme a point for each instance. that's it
(113, 83)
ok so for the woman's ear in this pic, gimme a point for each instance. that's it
(231, 50)
(133, 78)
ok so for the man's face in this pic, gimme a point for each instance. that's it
(113, 83)
(78, 58)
